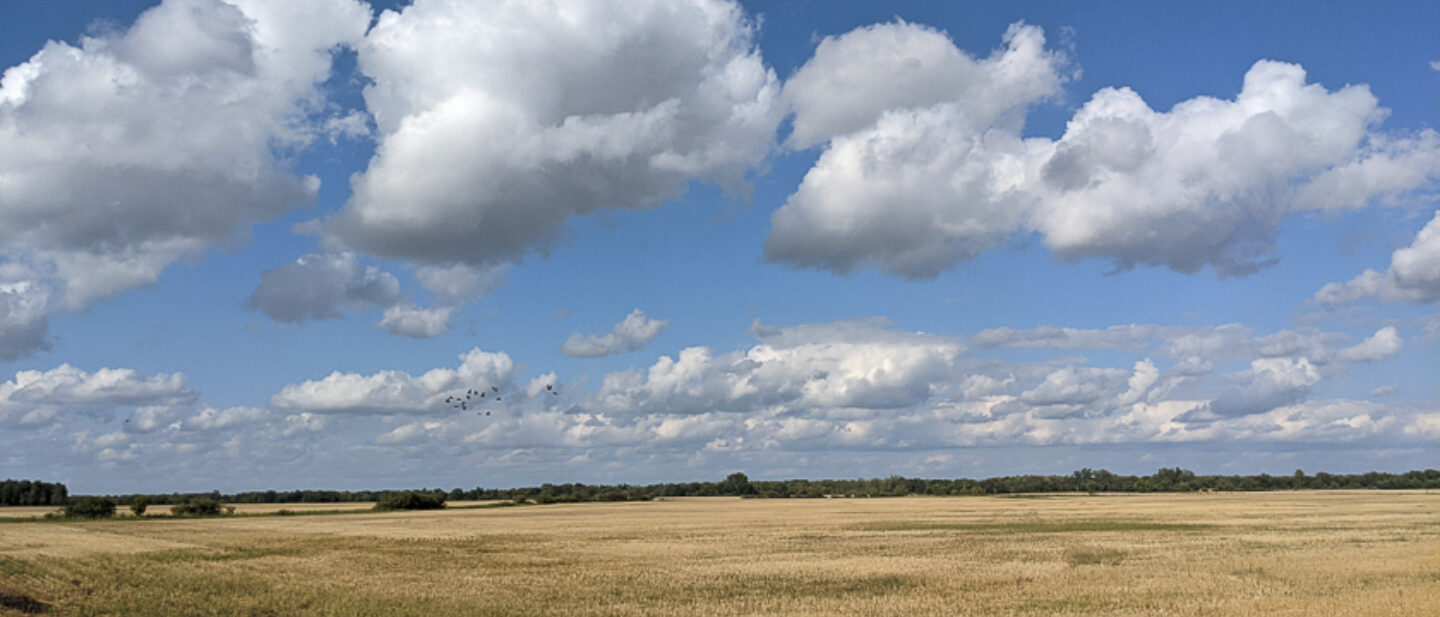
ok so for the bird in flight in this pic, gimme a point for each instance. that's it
(474, 395)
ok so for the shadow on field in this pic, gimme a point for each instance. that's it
(23, 603)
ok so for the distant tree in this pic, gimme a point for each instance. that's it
(139, 504)
(199, 506)
(90, 507)
(32, 493)
(411, 500)
(736, 484)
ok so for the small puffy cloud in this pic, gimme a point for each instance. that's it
(209, 418)
(409, 433)
(979, 386)
(415, 322)
(497, 121)
(396, 392)
(319, 285)
(303, 422)
(1115, 337)
(137, 148)
(1384, 343)
(460, 282)
(631, 334)
(924, 164)
(1414, 274)
(1385, 390)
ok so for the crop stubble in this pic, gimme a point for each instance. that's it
(1301, 553)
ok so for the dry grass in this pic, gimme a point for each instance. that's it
(240, 508)
(1323, 553)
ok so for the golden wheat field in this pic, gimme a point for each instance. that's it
(241, 508)
(1299, 553)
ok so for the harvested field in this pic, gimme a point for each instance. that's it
(1302, 553)
(240, 508)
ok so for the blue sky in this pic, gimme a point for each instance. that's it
(251, 244)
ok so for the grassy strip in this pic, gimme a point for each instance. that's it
(281, 512)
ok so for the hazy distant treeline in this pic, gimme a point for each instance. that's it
(738, 484)
(32, 493)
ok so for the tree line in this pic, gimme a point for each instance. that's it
(738, 484)
(32, 493)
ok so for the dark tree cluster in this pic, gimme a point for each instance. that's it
(32, 493)
(411, 500)
(738, 484)
(198, 506)
(90, 507)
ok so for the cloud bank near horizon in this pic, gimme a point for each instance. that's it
(850, 386)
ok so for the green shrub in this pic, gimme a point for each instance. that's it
(201, 506)
(139, 504)
(90, 507)
(410, 500)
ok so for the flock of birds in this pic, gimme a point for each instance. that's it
(473, 396)
(477, 396)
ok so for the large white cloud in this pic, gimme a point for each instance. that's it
(631, 334)
(1207, 183)
(914, 179)
(923, 153)
(500, 120)
(1414, 274)
(134, 149)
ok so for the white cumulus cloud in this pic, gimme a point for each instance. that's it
(38, 397)
(1384, 343)
(415, 322)
(923, 163)
(131, 150)
(923, 149)
(396, 392)
(1414, 274)
(319, 285)
(497, 121)
(631, 334)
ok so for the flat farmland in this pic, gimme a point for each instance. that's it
(1293, 553)
(240, 508)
